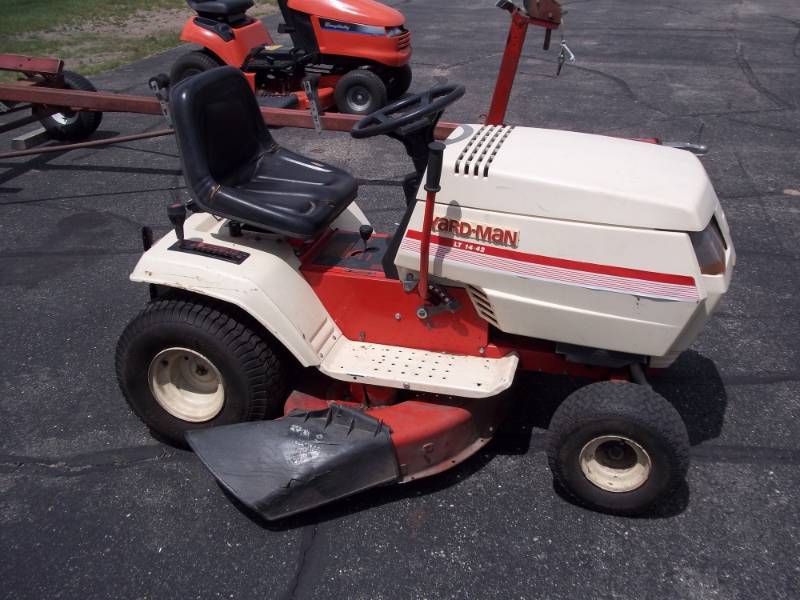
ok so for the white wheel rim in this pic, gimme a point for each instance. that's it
(65, 119)
(186, 384)
(358, 98)
(615, 463)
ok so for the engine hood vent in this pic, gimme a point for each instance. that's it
(481, 150)
(482, 304)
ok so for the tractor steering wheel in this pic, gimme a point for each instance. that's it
(418, 111)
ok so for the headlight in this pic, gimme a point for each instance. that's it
(709, 246)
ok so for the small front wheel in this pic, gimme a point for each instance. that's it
(619, 448)
(360, 92)
(185, 364)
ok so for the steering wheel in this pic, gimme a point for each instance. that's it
(419, 109)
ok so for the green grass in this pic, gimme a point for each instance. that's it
(23, 16)
(92, 36)
(75, 54)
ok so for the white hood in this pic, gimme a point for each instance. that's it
(576, 177)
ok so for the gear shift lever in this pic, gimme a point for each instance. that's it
(177, 215)
(365, 231)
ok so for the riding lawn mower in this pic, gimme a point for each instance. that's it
(359, 50)
(384, 358)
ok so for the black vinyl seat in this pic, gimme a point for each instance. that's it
(221, 8)
(234, 169)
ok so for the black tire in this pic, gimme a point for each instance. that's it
(191, 64)
(630, 411)
(360, 92)
(252, 372)
(398, 81)
(71, 125)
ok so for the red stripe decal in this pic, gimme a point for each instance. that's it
(562, 263)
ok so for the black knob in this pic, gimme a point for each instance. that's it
(177, 215)
(365, 231)
(435, 159)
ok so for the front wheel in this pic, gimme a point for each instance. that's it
(185, 364)
(71, 125)
(619, 448)
(360, 92)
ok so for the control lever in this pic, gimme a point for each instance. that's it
(177, 216)
(435, 161)
(160, 87)
(310, 85)
(365, 231)
(432, 187)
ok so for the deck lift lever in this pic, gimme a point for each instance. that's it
(427, 291)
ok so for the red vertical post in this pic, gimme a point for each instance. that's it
(432, 187)
(508, 68)
(425, 245)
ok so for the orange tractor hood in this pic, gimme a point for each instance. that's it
(362, 12)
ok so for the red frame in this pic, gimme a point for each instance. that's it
(511, 55)
(364, 304)
(31, 65)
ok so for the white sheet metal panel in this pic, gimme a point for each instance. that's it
(419, 370)
(577, 177)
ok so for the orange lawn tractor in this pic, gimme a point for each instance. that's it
(359, 49)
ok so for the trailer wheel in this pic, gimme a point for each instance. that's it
(184, 364)
(192, 64)
(619, 448)
(398, 81)
(360, 92)
(69, 125)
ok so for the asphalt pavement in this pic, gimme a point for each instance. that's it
(92, 506)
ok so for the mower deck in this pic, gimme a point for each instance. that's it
(335, 441)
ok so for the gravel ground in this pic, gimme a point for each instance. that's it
(92, 506)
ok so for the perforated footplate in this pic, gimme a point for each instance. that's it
(420, 370)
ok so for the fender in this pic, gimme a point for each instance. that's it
(233, 52)
(267, 284)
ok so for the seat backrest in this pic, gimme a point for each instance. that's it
(219, 128)
(221, 9)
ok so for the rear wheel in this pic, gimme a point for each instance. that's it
(619, 448)
(70, 125)
(186, 364)
(360, 92)
(192, 64)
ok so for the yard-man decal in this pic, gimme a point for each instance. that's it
(477, 231)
